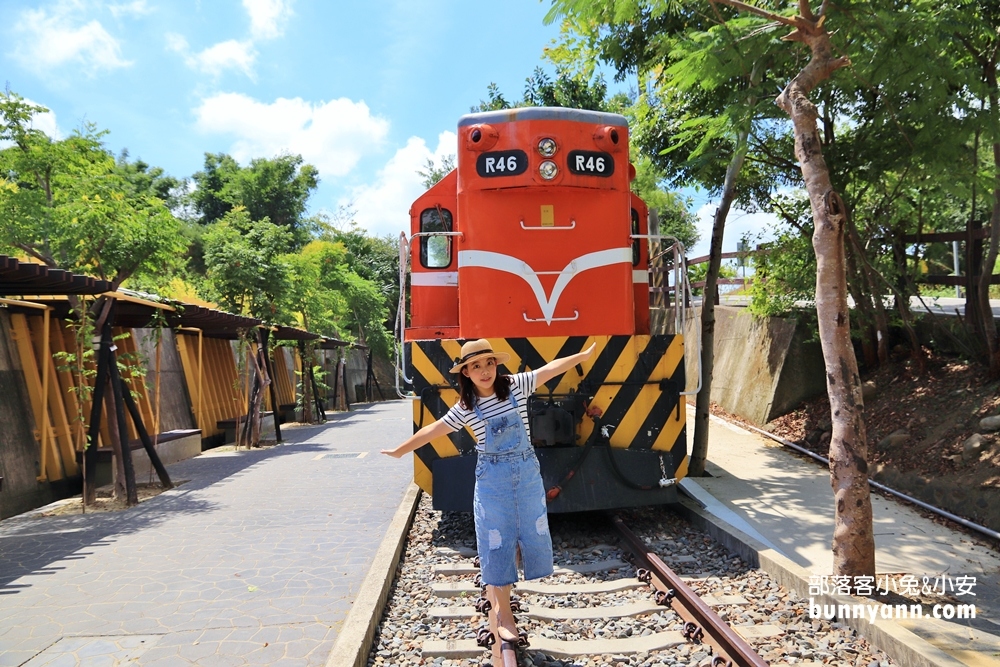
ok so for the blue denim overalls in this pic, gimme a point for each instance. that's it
(509, 503)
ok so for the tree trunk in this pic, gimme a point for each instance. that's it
(262, 335)
(864, 309)
(974, 256)
(124, 452)
(991, 261)
(989, 323)
(699, 445)
(306, 362)
(94, 428)
(853, 542)
(874, 289)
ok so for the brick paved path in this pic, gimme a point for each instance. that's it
(253, 561)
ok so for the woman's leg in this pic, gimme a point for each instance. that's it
(499, 597)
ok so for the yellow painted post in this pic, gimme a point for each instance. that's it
(38, 394)
(200, 374)
(156, 418)
(45, 386)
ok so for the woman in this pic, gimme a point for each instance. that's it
(509, 499)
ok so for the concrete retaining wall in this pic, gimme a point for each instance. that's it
(19, 462)
(764, 367)
(175, 404)
(171, 451)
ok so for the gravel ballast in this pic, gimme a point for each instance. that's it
(748, 599)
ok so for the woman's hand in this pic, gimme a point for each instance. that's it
(419, 439)
(560, 366)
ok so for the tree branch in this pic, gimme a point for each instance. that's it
(805, 11)
(736, 4)
(48, 261)
(789, 218)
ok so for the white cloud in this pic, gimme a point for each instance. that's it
(46, 122)
(758, 226)
(177, 43)
(227, 55)
(267, 17)
(134, 8)
(383, 207)
(332, 135)
(217, 58)
(48, 40)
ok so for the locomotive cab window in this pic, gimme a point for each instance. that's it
(435, 251)
(636, 253)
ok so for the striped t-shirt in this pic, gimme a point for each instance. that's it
(522, 385)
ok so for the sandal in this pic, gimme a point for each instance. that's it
(508, 654)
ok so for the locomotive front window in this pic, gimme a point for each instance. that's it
(636, 254)
(435, 251)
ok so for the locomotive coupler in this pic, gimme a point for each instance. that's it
(664, 480)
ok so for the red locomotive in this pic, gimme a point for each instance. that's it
(536, 242)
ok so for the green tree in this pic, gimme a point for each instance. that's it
(273, 188)
(693, 116)
(248, 270)
(673, 211)
(376, 259)
(432, 172)
(567, 90)
(333, 298)
(69, 204)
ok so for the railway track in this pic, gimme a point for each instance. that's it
(608, 603)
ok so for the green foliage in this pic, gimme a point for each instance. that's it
(783, 275)
(247, 268)
(71, 205)
(374, 258)
(676, 218)
(276, 189)
(333, 299)
(571, 90)
(432, 173)
(698, 273)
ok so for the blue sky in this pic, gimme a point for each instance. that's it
(365, 91)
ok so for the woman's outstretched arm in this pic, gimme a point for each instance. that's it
(420, 438)
(558, 366)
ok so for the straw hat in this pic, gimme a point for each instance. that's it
(477, 349)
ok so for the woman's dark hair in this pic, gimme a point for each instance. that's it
(467, 389)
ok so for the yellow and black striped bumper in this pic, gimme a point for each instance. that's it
(635, 382)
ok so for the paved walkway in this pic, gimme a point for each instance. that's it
(255, 560)
(786, 502)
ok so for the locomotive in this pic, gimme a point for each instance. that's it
(535, 242)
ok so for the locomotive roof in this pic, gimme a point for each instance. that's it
(543, 113)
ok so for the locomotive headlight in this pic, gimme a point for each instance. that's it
(547, 147)
(548, 170)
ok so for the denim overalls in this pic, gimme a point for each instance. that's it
(509, 503)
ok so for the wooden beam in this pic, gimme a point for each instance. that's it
(946, 237)
(960, 281)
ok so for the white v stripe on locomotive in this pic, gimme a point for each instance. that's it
(434, 279)
(640, 276)
(517, 267)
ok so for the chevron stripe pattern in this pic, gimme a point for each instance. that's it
(635, 381)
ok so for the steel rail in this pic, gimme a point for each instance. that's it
(728, 647)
